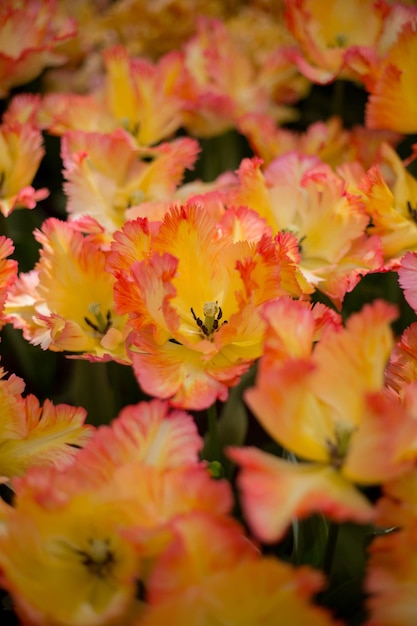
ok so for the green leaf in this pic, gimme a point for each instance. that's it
(345, 594)
(233, 420)
(309, 540)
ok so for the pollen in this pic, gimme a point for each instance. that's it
(211, 309)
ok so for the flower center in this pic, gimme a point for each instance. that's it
(98, 558)
(99, 323)
(212, 315)
(338, 449)
(340, 40)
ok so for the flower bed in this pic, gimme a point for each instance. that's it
(208, 298)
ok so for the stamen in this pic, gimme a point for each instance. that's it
(340, 41)
(212, 315)
(131, 127)
(101, 325)
(300, 244)
(99, 558)
(412, 211)
(339, 448)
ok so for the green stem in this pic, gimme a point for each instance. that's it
(338, 99)
(90, 387)
(213, 443)
(220, 153)
(4, 227)
(330, 548)
(298, 543)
